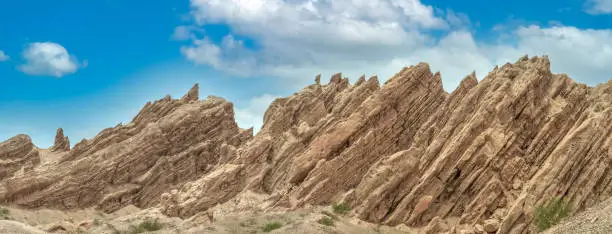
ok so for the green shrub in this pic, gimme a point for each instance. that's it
(145, 226)
(97, 222)
(272, 226)
(4, 213)
(341, 208)
(550, 213)
(327, 221)
(334, 217)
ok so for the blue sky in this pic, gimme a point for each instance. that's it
(88, 65)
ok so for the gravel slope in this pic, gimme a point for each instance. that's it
(597, 219)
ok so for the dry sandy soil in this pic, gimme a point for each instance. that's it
(91, 221)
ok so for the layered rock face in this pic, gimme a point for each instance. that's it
(168, 143)
(410, 153)
(17, 154)
(405, 152)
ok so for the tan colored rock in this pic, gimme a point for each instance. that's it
(169, 143)
(62, 143)
(478, 228)
(436, 225)
(466, 230)
(17, 154)
(60, 227)
(401, 153)
(491, 225)
(9, 226)
(193, 94)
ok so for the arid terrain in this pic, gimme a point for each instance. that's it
(400, 157)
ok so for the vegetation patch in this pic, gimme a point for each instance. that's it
(271, 226)
(97, 222)
(5, 213)
(327, 221)
(551, 213)
(341, 208)
(333, 216)
(145, 226)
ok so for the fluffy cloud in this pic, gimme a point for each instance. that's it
(48, 59)
(3, 57)
(297, 39)
(599, 6)
(252, 115)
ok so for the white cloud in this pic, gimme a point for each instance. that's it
(203, 52)
(300, 38)
(3, 56)
(181, 33)
(49, 59)
(599, 6)
(252, 115)
(186, 32)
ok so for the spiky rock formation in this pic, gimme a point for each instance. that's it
(193, 94)
(404, 153)
(62, 143)
(170, 142)
(409, 152)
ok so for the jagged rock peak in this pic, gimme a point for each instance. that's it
(336, 78)
(248, 131)
(541, 62)
(374, 81)
(193, 94)
(62, 143)
(360, 80)
(469, 80)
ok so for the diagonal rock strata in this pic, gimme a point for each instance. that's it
(405, 152)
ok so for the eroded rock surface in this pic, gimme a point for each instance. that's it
(170, 142)
(62, 143)
(17, 154)
(406, 152)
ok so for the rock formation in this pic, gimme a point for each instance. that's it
(193, 94)
(62, 143)
(168, 143)
(407, 152)
(17, 154)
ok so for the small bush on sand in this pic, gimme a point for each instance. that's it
(341, 208)
(327, 221)
(271, 226)
(4, 213)
(334, 217)
(145, 226)
(97, 222)
(550, 213)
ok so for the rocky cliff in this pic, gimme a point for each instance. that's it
(406, 152)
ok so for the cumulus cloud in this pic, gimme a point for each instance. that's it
(3, 56)
(300, 38)
(599, 6)
(48, 59)
(252, 115)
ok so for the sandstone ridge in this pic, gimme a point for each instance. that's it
(405, 152)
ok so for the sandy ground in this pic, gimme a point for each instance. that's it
(92, 221)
